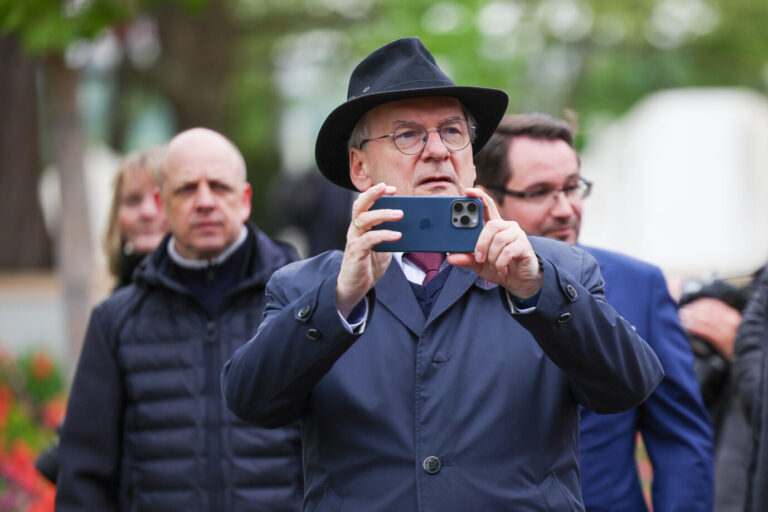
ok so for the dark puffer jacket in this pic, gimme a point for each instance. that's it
(750, 367)
(146, 426)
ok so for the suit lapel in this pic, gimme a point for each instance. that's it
(394, 293)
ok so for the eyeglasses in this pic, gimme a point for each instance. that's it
(411, 138)
(574, 192)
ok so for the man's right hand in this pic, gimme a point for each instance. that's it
(361, 267)
(713, 320)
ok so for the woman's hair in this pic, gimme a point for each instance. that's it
(149, 161)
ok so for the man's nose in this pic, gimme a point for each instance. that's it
(562, 206)
(434, 146)
(204, 197)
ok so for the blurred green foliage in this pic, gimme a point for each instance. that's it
(45, 26)
(50, 26)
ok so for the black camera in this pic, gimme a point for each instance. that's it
(712, 369)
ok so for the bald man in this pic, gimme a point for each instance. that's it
(146, 428)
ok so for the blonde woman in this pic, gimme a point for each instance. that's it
(136, 222)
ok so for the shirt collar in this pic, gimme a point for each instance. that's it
(201, 264)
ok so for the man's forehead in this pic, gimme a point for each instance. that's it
(194, 171)
(200, 150)
(542, 161)
(414, 108)
(204, 162)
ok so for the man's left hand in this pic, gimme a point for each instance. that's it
(503, 254)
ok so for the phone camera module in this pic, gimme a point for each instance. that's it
(466, 213)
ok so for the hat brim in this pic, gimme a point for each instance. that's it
(487, 105)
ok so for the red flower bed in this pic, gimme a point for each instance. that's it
(31, 407)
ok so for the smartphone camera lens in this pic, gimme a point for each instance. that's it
(458, 207)
(464, 220)
(471, 207)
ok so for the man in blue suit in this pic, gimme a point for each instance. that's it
(532, 170)
(424, 382)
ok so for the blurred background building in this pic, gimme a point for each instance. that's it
(682, 180)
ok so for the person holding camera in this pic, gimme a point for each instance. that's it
(426, 382)
(531, 168)
(146, 427)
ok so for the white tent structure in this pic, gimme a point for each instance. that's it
(682, 181)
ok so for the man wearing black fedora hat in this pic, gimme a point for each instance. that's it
(426, 382)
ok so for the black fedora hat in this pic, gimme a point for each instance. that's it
(399, 70)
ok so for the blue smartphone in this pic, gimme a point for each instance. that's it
(432, 223)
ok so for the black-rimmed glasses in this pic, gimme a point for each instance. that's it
(576, 191)
(411, 138)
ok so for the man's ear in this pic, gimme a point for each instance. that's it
(357, 173)
(247, 193)
(158, 200)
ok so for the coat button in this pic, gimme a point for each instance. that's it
(571, 291)
(313, 334)
(304, 312)
(563, 318)
(432, 465)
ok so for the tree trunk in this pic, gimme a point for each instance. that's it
(195, 70)
(74, 243)
(24, 243)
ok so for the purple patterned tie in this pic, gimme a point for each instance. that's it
(429, 262)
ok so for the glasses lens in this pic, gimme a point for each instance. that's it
(410, 138)
(576, 191)
(455, 134)
(585, 187)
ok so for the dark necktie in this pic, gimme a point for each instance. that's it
(429, 262)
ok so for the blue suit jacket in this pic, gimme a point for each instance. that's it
(493, 395)
(673, 421)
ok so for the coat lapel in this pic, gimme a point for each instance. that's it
(457, 284)
(394, 293)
